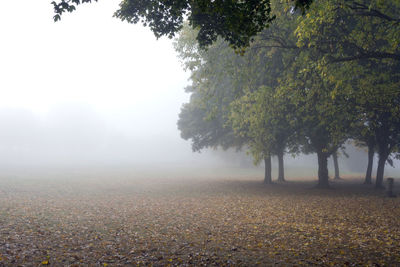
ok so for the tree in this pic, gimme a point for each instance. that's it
(365, 139)
(292, 79)
(360, 55)
(218, 78)
(261, 113)
(336, 165)
(235, 21)
(381, 111)
(370, 164)
(204, 129)
(204, 119)
(373, 89)
(260, 117)
(319, 119)
(229, 86)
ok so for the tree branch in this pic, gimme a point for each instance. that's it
(370, 55)
(274, 46)
(364, 10)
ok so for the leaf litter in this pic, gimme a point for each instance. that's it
(198, 222)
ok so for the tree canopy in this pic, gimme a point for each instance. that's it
(309, 83)
(235, 21)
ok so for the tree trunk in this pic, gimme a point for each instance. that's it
(323, 178)
(371, 153)
(281, 170)
(267, 176)
(336, 165)
(380, 170)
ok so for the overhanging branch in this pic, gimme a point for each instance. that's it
(371, 55)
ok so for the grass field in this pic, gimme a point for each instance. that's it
(120, 220)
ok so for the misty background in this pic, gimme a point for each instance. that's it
(91, 91)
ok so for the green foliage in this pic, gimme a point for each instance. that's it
(297, 82)
(66, 6)
(204, 118)
(352, 30)
(205, 127)
(235, 21)
(309, 82)
(261, 114)
(318, 118)
(355, 47)
(232, 91)
(261, 117)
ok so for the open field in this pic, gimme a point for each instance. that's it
(122, 220)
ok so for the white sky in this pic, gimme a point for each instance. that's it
(89, 81)
(89, 58)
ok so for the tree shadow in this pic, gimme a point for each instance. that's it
(344, 187)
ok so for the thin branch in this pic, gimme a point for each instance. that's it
(370, 55)
(366, 11)
(274, 46)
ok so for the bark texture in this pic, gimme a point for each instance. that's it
(336, 165)
(323, 178)
(267, 175)
(380, 171)
(281, 167)
(371, 153)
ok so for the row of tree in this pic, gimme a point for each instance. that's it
(306, 84)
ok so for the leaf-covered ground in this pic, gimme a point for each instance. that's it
(124, 221)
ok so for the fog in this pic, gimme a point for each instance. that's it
(87, 90)
(78, 135)
(93, 92)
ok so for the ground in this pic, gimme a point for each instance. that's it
(118, 221)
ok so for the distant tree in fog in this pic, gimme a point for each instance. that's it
(204, 118)
(222, 100)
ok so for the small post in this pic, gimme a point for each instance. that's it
(390, 187)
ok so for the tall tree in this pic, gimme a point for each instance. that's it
(251, 80)
(218, 78)
(374, 91)
(382, 112)
(260, 116)
(204, 119)
(261, 113)
(360, 55)
(365, 139)
(318, 117)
